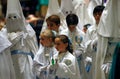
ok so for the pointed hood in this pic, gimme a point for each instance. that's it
(67, 7)
(109, 25)
(53, 8)
(15, 20)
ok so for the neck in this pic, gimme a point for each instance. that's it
(62, 52)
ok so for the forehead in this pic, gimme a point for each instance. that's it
(49, 22)
(43, 36)
(12, 14)
(57, 40)
(98, 13)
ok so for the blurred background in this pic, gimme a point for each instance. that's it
(33, 10)
(36, 7)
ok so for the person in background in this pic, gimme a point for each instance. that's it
(91, 42)
(36, 24)
(76, 36)
(66, 66)
(53, 23)
(44, 56)
(23, 39)
(6, 64)
(73, 31)
(85, 27)
(108, 38)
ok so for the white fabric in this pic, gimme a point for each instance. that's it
(67, 7)
(14, 12)
(53, 8)
(4, 42)
(100, 56)
(91, 48)
(23, 39)
(6, 64)
(108, 37)
(67, 67)
(22, 63)
(110, 21)
(72, 36)
(80, 8)
(90, 38)
(84, 10)
(99, 2)
(42, 59)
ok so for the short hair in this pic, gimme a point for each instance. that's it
(87, 26)
(48, 33)
(72, 19)
(54, 18)
(98, 9)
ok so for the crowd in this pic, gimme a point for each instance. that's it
(77, 40)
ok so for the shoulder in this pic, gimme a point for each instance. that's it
(80, 32)
(91, 28)
(64, 32)
(69, 59)
(69, 56)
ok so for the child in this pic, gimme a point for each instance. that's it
(85, 27)
(53, 23)
(73, 30)
(76, 37)
(45, 54)
(66, 66)
(91, 42)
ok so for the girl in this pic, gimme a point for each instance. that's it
(66, 66)
(45, 54)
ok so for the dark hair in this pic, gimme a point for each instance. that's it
(87, 26)
(72, 19)
(65, 39)
(98, 9)
(54, 18)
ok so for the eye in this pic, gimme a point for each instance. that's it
(9, 17)
(15, 17)
(66, 12)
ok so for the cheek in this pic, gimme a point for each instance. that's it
(71, 29)
(58, 47)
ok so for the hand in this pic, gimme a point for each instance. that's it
(106, 67)
(88, 61)
(53, 68)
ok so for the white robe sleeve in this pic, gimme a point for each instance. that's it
(68, 68)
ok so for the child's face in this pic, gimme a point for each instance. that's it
(52, 26)
(97, 17)
(60, 46)
(72, 27)
(45, 41)
(84, 29)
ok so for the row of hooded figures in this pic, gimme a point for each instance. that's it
(65, 51)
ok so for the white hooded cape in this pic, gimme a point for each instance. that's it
(23, 39)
